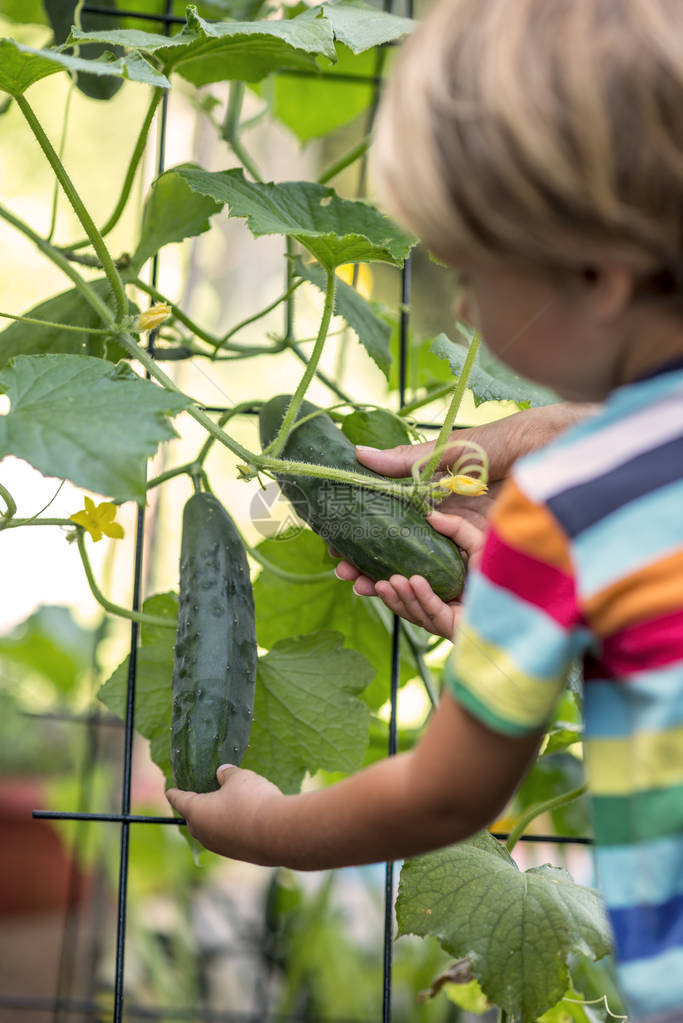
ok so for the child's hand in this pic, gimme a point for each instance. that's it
(414, 599)
(230, 821)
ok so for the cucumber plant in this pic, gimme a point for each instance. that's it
(89, 402)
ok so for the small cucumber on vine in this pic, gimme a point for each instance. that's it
(214, 671)
(379, 533)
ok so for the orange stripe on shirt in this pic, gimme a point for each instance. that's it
(530, 527)
(651, 592)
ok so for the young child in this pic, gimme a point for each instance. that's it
(537, 145)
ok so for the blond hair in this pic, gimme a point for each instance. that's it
(539, 130)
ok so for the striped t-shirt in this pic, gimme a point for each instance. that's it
(584, 557)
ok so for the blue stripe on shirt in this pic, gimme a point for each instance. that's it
(581, 506)
(628, 539)
(646, 873)
(646, 930)
(650, 701)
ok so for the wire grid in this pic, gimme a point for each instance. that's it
(62, 1003)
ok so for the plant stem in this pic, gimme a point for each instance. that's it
(412, 406)
(231, 129)
(294, 405)
(344, 161)
(444, 432)
(257, 316)
(79, 208)
(122, 612)
(158, 296)
(60, 326)
(62, 145)
(33, 521)
(425, 673)
(322, 377)
(537, 809)
(55, 256)
(138, 151)
(11, 509)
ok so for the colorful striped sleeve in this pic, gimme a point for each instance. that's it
(521, 626)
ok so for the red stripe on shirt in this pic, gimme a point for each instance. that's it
(534, 581)
(646, 645)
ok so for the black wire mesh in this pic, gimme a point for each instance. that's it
(62, 1003)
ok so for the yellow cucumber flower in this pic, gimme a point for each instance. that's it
(461, 483)
(99, 520)
(363, 280)
(152, 317)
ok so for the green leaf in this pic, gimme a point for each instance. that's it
(307, 710)
(360, 26)
(205, 52)
(69, 307)
(51, 644)
(423, 369)
(153, 688)
(172, 213)
(61, 15)
(285, 608)
(81, 419)
(377, 428)
(312, 107)
(22, 66)
(489, 379)
(518, 929)
(469, 997)
(371, 330)
(23, 11)
(333, 229)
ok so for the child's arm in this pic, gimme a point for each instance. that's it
(455, 781)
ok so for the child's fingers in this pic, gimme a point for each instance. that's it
(346, 571)
(398, 594)
(443, 617)
(468, 531)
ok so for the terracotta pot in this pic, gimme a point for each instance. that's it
(35, 866)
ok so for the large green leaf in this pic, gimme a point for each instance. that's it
(307, 710)
(51, 644)
(311, 107)
(172, 213)
(84, 420)
(518, 929)
(489, 379)
(69, 308)
(154, 673)
(333, 229)
(372, 331)
(361, 26)
(286, 608)
(21, 66)
(205, 52)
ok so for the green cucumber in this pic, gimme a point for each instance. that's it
(214, 671)
(379, 533)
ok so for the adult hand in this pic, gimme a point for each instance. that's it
(462, 519)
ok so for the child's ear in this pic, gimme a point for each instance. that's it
(608, 289)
